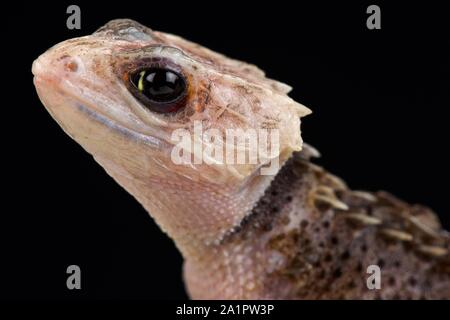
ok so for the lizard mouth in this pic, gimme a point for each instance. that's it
(46, 81)
(60, 95)
(129, 133)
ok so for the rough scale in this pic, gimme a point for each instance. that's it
(299, 234)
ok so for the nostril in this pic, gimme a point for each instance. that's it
(71, 66)
(69, 62)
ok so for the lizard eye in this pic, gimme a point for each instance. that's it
(159, 89)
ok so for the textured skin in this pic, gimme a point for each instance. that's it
(300, 243)
(83, 84)
(301, 234)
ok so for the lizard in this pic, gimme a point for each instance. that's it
(299, 233)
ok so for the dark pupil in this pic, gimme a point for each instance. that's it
(159, 85)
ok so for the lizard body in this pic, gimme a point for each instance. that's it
(299, 234)
(311, 237)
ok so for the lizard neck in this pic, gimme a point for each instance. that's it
(199, 217)
(196, 215)
(242, 266)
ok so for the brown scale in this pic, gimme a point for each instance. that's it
(342, 233)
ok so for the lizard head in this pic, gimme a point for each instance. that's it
(161, 115)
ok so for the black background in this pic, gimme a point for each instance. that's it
(380, 100)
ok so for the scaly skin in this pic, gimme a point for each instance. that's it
(298, 234)
(310, 237)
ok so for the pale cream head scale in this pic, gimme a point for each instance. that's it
(87, 86)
